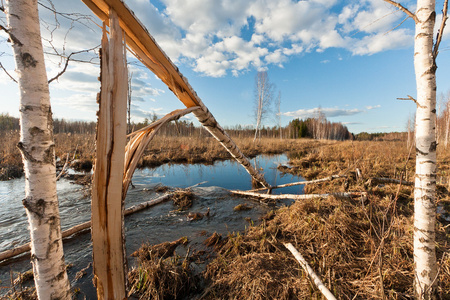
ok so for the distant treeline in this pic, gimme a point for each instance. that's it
(315, 128)
(381, 136)
(320, 129)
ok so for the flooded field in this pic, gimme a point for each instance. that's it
(154, 225)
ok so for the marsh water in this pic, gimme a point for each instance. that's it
(154, 225)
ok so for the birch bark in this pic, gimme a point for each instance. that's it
(38, 151)
(425, 181)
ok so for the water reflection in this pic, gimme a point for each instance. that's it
(155, 225)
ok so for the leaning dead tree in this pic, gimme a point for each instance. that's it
(114, 168)
(425, 54)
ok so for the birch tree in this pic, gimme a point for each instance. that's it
(38, 151)
(263, 98)
(278, 114)
(425, 54)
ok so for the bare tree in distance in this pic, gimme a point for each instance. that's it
(425, 54)
(38, 151)
(278, 114)
(263, 99)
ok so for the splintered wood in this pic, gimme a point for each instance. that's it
(107, 202)
(144, 47)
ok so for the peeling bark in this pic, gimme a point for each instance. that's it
(425, 180)
(108, 234)
(38, 153)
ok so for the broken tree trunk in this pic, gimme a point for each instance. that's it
(297, 197)
(107, 202)
(300, 183)
(83, 226)
(145, 48)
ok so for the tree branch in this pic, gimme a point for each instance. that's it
(440, 32)
(11, 36)
(412, 99)
(404, 9)
(67, 63)
(12, 78)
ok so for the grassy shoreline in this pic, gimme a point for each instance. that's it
(362, 248)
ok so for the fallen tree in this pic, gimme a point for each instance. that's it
(81, 227)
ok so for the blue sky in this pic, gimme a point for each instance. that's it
(351, 59)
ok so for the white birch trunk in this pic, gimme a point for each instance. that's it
(38, 151)
(425, 182)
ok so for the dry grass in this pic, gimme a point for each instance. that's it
(361, 248)
(161, 274)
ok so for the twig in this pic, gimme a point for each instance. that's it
(404, 9)
(67, 63)
(12, 78)
(412, 99)
(440, 32)
(322, 288)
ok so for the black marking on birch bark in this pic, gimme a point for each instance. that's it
(418, 151)
(35, 131)
(433, 111)
(37, 208)
(25, 153)
(424, 35)
(25, 108)
(48, 154)
(28, 60)
(433, 147)
(12, 38)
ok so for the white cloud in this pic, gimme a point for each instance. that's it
(328, 112)
(383, 41)
(370, 107)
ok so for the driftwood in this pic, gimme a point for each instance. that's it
(297, 197)
(83, 226)
(299, 183)
(322, 288)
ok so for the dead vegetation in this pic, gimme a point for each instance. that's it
(182, 198)
(161, 274)
(362, 248)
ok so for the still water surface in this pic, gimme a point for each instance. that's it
(154, 225)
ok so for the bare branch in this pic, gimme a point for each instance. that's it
(67, 63)
(12, 78)
(11, 36)
(397, 26)
(404, 9)
(440, 32)
(412, 99)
